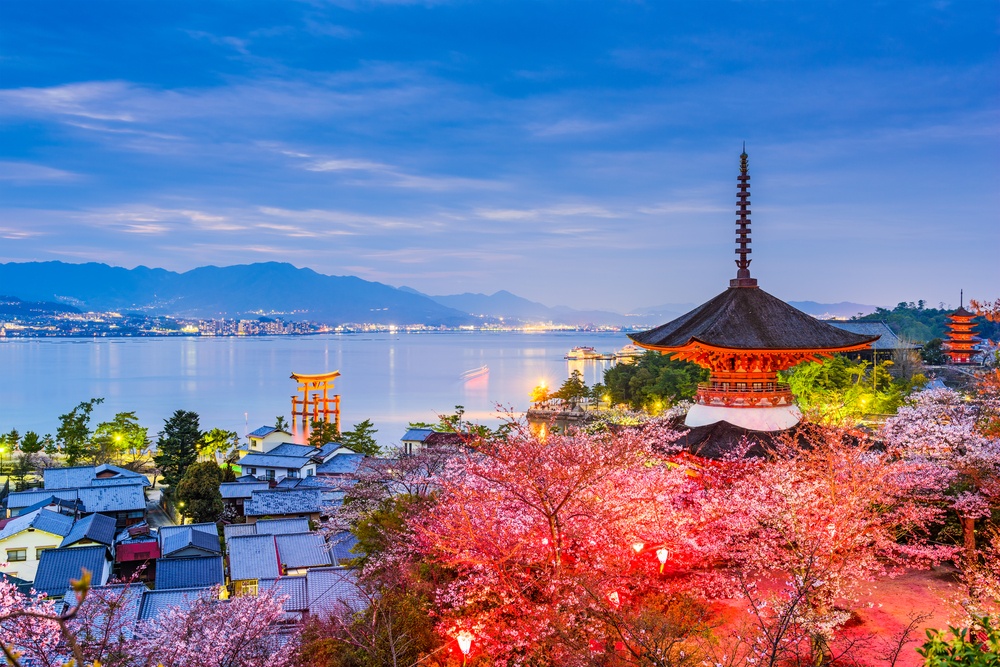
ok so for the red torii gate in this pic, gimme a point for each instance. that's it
(313, 401)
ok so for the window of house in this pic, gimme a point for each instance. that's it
(252, 471)
(246, 587)
(310, 472)
(269, 475)
(39, 550)
(14, 555)
(293, 473)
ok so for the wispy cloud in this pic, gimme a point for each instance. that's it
(26, 172)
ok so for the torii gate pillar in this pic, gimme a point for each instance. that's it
(314, 400)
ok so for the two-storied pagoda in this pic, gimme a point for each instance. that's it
(744, 336)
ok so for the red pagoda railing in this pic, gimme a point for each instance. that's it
(744, 394)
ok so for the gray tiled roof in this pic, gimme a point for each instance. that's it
(233, 490)
(46, 520)
(253, 557)
(116, 481)
(282, 526)
(117, 498)
(179, 540)
(243, 479)
(68, 507)
(291, 449)
(57, 566)
(341, 544)
(166, 531)
(189, 572)
(67, 478)
(341, 464)
(333, 588)
(267, 527)
(262, 460)
(236, 529)
(328, 449)
(297, 550)
(265, 431)
(416, 434)
(294, 587)
(888, 341)
(96, 527)
(280, 502)
(156, 602)
(80, 476)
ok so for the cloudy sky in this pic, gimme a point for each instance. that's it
(578, 153)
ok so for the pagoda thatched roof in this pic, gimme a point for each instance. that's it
(748, 318)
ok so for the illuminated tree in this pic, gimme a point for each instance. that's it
(942, 428)
(538, 534)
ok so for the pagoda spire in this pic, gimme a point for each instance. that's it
(743, 278)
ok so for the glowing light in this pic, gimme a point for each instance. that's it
(638, 546)
(662, 555)
(464, 641)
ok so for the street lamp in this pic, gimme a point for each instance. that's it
(464, 643)
(180, 506)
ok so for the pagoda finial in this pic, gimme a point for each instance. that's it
(961, 298)
(743, 278)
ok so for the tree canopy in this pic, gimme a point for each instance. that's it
(653, 379)
(178, 446)
(362, 438)
(322, 432)
(198, 490)
(73, 434)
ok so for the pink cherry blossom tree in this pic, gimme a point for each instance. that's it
(240, 632)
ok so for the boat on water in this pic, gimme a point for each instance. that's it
(630, 352)
(474, 373)
(584, 353)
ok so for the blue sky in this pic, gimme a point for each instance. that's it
(578, 153)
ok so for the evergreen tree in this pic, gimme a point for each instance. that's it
(73, 434)
(178, 446)
(31, 443)
(321, 432)
(12, 439)
(933, 352)
(573, 389)
(198, 490)
(361, 438)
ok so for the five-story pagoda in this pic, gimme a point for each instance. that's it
(744, 336)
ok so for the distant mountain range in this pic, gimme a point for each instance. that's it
(247, 290)
(272, 288)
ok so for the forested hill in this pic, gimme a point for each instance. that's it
(915, 322)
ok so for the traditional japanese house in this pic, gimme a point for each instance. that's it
(744, 336)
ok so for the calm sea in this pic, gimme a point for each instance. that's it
(235, 383)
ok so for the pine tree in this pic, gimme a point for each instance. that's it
(73, 434)
(198, 492)
(31, 443)
(177, 446)
(321, 432)
(362, 438)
